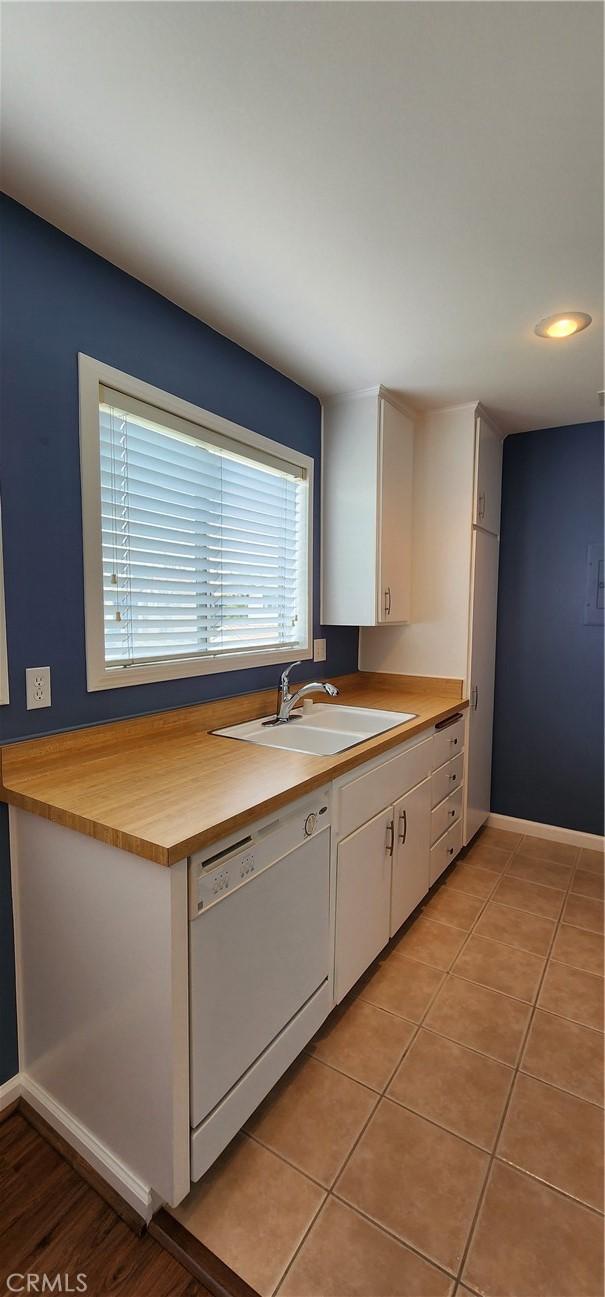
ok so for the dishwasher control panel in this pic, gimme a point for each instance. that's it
(223, 867)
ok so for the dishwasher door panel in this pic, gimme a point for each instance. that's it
(255, 959)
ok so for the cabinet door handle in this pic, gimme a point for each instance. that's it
(403, 826)
(387, 601)
(474, 697)
(390, 837)
(481, 506)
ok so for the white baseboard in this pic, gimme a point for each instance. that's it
(109, 1167)
(554, 832)
(10, 1091)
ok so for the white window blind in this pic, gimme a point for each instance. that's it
(204, 540)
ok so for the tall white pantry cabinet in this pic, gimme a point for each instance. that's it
(444, 549)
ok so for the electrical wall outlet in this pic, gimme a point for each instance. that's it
(37, 687)
(319, 650)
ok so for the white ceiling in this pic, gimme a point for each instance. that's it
(357, 192)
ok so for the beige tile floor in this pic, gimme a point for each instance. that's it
(444, 1131)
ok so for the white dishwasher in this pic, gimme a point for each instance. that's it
(260, 966)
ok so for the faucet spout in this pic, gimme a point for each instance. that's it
(287, 700)
(316, 687)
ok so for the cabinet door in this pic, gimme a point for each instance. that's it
(395, 486)
(363, 894)
(482, 670)
(412, 821)
(488, 485)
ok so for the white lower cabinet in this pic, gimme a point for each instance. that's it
(445, 851)
(446, 814)
(448, 742)
(387, 860)
(449, 777)
(363, 899)
(410, 880)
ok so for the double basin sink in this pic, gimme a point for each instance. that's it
(320, 730)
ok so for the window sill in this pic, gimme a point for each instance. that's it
(153, 673)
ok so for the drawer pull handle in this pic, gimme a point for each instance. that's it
(450, 851)
(453, 814)
(390, 837)
(452, 779)
(403, 826)
(454, 741)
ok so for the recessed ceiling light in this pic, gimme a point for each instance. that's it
(562, 326)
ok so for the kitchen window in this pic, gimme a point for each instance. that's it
(197, 537)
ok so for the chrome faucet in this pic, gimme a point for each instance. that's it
(287, 701)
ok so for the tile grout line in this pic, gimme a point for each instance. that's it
(379, 1095)
(569, 1197)
(446, 974)
(466, 1246)
(384, 1229)
(277, 1286)
(553, 1014)
(382, 1094)
(519, 1059)
(514, 1069)
(455, 1277)
(464, 1139)
(551, 1085)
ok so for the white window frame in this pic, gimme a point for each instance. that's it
(4, 696)
(92, 374)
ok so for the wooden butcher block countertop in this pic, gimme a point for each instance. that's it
(162, 786)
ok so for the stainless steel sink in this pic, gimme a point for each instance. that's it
(321, 730)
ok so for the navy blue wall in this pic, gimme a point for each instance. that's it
(548, 724)
(8, 1019)
(58, 299)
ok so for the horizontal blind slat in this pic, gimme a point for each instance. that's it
(203, 551)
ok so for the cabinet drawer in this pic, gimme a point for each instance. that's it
(447, 779)
(446, 814)
(365, 796)
(448, 743)
(445, 850)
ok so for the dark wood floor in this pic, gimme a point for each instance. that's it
(52, 1222)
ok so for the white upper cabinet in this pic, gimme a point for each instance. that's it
(367, 486)
(395, 485)
(488, 476)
